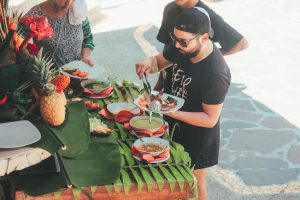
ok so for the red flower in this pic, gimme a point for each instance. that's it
(32, 49)
(39, 28)
(3, 100)
(12, 27)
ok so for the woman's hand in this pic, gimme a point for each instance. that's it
(85, 56)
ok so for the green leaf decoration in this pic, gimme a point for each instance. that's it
(175, 155)
(114, 134)
(76, 193)
(118, 186)
(179, 149)
(126, 181)
(127, 153)
(106, 101)
(147, 177)
(138, 179)
(186, 175)
(47, 196)
(178, 176)
(122, 131)
(168, 176)
(57, 195)
(132, 89)
(123, 159)
(109, 189)
(158, 177)
(93, 189)
(101, 103)
(186, 159)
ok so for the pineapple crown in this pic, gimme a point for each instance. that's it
(39, 71)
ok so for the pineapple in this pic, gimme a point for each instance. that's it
(52, 102)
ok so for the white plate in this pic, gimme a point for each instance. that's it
(18, 134)
(180, 102)
(132, 132)
(95, 72)
(163, 160)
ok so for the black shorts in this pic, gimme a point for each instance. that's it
(202, 144)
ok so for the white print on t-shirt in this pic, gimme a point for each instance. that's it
(179, 82)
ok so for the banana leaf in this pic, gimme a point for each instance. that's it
(100, 164)
(169, 177)
(138, 179)
(147, 178)
(76, 120)
(178, 176)
(158, 177)
(126, 181)
(11, 77)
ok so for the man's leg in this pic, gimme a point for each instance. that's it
(201, 179)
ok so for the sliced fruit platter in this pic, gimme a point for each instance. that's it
(98, 128)
(81, 70)
(159, 102)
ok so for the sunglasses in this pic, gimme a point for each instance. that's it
(183, 43)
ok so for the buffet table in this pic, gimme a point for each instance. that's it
(102, 167)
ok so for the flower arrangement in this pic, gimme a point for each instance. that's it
(45, 84)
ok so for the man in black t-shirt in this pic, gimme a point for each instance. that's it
(200, 75)
(229, 39)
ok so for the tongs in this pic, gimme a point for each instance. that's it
(148, 90)
(146, 84)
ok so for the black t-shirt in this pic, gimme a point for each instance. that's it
(204, 82)
(224, 34)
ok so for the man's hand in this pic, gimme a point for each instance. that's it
(143, 66)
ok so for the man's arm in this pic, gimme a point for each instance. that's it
(240, 46)
(208, 118)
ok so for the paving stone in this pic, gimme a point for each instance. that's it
(259, 163)
(235, 89)
(262, 107)
(225, 134)
(223, 143)
(294, 154)
(267, 176)
(259, 140)
(232, 124)
(239, 104)
(224, 155)
(240, 115)
(276, 123)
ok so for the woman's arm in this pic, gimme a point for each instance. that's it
(87, 44)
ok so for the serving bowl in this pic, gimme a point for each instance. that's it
(95, 85)
(143, 123)
(115, 108)
(147, 141)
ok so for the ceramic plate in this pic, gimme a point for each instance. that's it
(180, 103)
(160, 161)
(95, 72)
(18, 134)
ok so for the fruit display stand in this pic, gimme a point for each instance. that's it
(172, 179)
